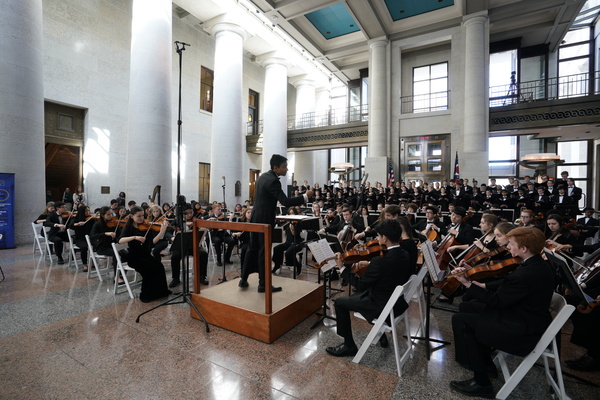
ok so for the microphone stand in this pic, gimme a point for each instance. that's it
(224, 278)
(184, 296)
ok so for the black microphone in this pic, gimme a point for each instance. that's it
(223, 178)
(182, 43)
(364, 180)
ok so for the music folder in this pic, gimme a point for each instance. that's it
(430, 261)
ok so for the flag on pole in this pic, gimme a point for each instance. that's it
(391, 179)
(456, 172)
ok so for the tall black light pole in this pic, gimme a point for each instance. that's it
(184, 296)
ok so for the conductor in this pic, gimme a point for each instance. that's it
(268, 193)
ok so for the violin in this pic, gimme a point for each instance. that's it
(353, 256)
(484, 257)
(115, 222)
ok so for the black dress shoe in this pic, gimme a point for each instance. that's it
(204, 281)
(219, 263)
(472, 388)
(261, 289)
(228, 262)
(243, 283)
(61, 261)
(444, 299)
(298, 269)
(342, 350)
(174, 282)
(383, 341)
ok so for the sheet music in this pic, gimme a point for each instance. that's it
(431, 262)
(321, 251)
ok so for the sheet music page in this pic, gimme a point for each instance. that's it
(321, 251)
(430, 261)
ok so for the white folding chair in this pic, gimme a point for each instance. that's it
(72, 248)
(37, 238)
(122, 269)
(95, 257)
(380, 326)
(48, 243)
(419, 296)
(546, 348)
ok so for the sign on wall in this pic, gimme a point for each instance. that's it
(7, 211)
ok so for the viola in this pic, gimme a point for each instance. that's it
(491, 269)
(484, 257)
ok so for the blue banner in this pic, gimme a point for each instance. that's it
(7, 211)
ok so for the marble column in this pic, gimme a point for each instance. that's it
(476, 87)
(150, 139)
(275, 111)
(22, 109)
(321, 157)
(476, 109)
(376, 163)
(227, 124)
(305, 119)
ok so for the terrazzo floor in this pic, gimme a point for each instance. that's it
(63, 336)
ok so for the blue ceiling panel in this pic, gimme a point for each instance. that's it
(400, 9)
(333, 21)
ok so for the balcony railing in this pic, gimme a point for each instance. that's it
(563, 87)
(425, 102)
(334, 116)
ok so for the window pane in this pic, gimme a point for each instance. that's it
(503, 148)
(574, 51)
(421, 88)
(501, 66)
(583, 186)
(421, 74)
(578, 35)
(434, 164)
(439, 70)
(439, 85)
(573, 67)
(530, 146)
(503, 169)
(414, 165)
(575, 172)
(434, 149)
(414, 150)
(573, 152)
(338, 156)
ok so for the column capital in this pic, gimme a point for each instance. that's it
(224, 23)
(381, 41)
(273, 58)
(475, 18)
(302, 80)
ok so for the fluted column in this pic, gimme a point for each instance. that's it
(275, 111)
(149, 139)
(476, 87)
(376, 163)
(227, 126)
(22, 109)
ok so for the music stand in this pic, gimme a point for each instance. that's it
(560, 263)
(434, 275)
(323, 254)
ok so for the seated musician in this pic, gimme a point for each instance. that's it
(102, 236)
(527, 219)
(556, 234)
(154, 282)
(58, 228)
(176, 255)
(49, 209)
(587, 225)
(375, 287)
(431, 222)
(345, 226)
(408, 242)
(220, 236)
(391, 211)
(487, 224)
(82, 224)
(155, 214)
(289, 248)
(462, 231)
(510, 315)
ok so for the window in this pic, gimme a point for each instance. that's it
(252, 113)
(353, 155)
(576, 163)
(574, 64)
(206, 89)
(430, 88)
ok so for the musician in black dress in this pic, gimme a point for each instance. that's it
(375, 287)
(510, 316)
(82, 224)
(58, 229)
(154, 282)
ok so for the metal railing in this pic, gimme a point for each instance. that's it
(425, 102)
(563, 87)
(334, 116)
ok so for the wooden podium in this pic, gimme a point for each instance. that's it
(260, 316)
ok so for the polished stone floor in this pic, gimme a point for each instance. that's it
(63, 336)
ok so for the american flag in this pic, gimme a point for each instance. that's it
(391, 180)
(456, 173)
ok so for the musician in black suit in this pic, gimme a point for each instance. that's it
(561, 198)
(588, 225)
(511, 315)
(268, 193)
(58, 229)
(431, 221)
(375, 287)
(573, 191)
(464, 232)
(347, 222)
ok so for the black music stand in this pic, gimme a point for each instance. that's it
(434, 273)
(184, 296)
